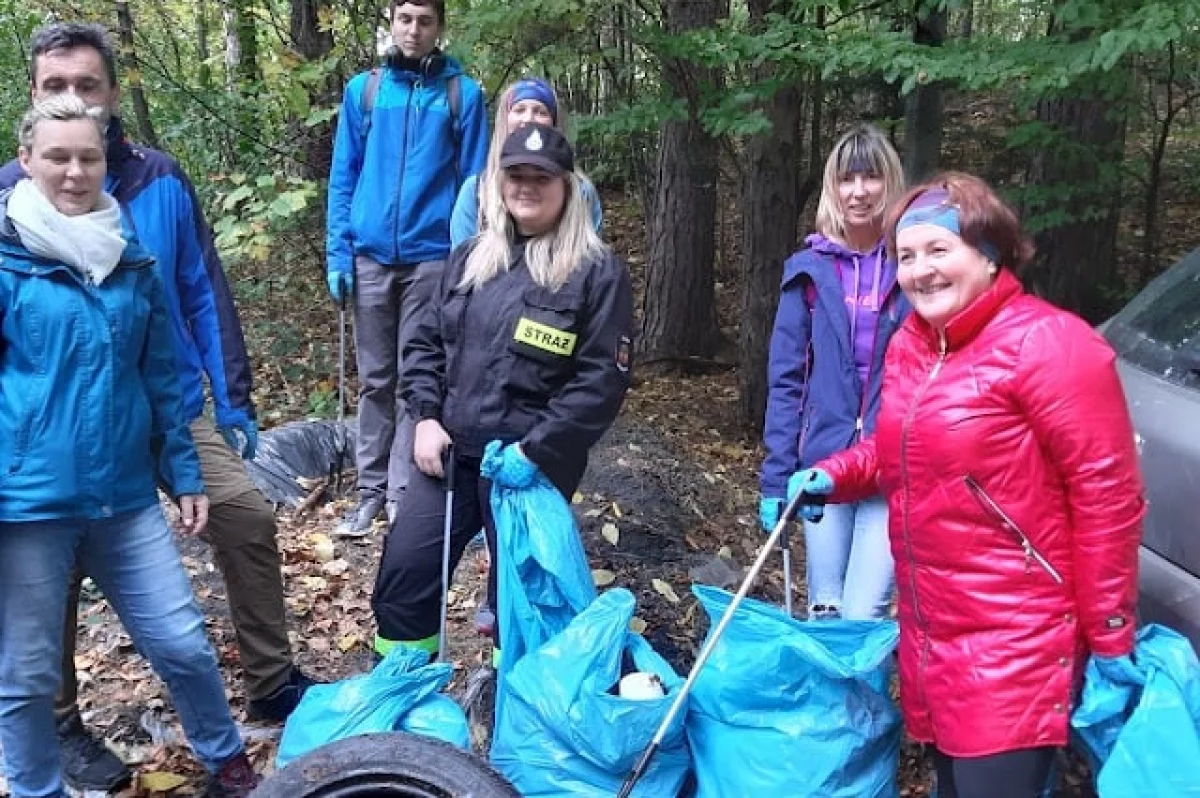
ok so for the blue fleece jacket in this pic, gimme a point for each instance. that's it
(464, 223)
(817, 404)
(392, 184)
(159, 204)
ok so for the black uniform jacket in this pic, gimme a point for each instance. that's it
(517, 362)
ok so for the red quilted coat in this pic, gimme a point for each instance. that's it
(1007, 457)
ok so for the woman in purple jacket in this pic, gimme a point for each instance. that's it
(839, 307)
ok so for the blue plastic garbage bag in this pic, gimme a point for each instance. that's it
(795, 708)
(565, 731)
(400, 694)
(1145, 739)
(543, 577)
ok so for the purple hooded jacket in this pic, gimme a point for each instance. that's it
(819, 400)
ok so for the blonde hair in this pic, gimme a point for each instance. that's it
(489, 183)
(551, 257)
(867, 145)
(59, 108)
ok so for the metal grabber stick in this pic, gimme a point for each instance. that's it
(339, 458)
(447, 527)
(714, 636)
(786, 547)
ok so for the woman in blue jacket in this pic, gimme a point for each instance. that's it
(91, 418)
(839, 307)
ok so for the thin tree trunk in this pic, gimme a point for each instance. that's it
(133, 75)
(202, 51)
(313, 44)
(923, 107)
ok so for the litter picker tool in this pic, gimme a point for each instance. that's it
(714, 636)
(338, 465)
(446, 529)
(785, 546)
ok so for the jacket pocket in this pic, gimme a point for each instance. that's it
(544, 341)
(992, 508)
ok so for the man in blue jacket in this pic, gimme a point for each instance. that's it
(158, 202)
(408, 135)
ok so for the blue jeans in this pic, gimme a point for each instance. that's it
(133, 559)
(849, 559)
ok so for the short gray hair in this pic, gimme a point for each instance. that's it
(61, 108)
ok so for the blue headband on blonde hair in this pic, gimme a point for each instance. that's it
(934, 207)
(534, 89)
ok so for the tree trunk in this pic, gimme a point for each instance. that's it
(770, 216)
(133, 75)
(923, 107)
(202, 52)
(241, 43)
(679, 319)
(315, 143)
(1076, 260)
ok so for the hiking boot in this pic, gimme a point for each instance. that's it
(278, 705)
(235, 779)
(357, 523)
(87, 763)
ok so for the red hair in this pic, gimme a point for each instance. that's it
(983, 218)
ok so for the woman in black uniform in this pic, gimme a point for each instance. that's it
(526, 342)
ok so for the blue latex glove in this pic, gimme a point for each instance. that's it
(248, 430)
(768, 512)
(814, 482)
(341, 285)
(1119, 670)
(507, 466)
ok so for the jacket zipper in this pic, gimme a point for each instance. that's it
(416, 87)
(912, 578)
(1031, 552)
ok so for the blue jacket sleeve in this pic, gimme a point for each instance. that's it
(787, 372)
(177, 464)
(473, 146)
(464, 220)
(206, 302)
(593, 197)
(343, 178)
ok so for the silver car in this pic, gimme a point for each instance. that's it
(1157, 339)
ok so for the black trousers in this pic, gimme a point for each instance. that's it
(1011, 774)
(408, 588)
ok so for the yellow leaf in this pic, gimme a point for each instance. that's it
(577, 498)
(611, 533)
(348, 642)
(158, 781)
(616, 509)
(665, 590)
(602, 577)
(725, 552)
(637, 625)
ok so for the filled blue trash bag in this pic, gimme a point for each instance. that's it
(1144, 740)
(543, 578)
(400, 694)
(794, 708)
(566, 732)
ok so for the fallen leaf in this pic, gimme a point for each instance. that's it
(616, 508)
(577, 498)
(725, 552)
(593, 513)
(611, 533)
(348, 642)
(159, 781)
(318, 644)
(665, 590)
(602, 577)
(637, 625)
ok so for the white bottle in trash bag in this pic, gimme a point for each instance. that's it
(641, 686)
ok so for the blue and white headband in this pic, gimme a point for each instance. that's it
(935, 207)
(534, 89)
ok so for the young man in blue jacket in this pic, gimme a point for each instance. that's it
(408, 135)
(159, 204)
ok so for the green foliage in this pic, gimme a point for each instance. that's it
(253, 212)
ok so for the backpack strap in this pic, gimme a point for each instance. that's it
(367, 102)
(454, 100)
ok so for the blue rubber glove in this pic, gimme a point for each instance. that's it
(1119, 670)
(768, 512)
(814, 482)
(341, 285)
(247, 444)
(507, 466)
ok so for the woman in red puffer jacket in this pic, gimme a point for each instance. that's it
(1006, 453)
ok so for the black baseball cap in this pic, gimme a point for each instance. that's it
(541, 146)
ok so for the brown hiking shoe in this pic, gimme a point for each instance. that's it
(235, 779)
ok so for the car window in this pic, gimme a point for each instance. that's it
(1159, 331)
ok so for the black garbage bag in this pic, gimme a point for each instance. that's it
(302, 452)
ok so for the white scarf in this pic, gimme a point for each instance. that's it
(90, 243)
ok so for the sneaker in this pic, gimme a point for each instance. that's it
(235, 779)
(87, 763)
(357, 523)
(485, 620)
(278, 705)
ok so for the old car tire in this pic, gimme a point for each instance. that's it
(390, 765)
